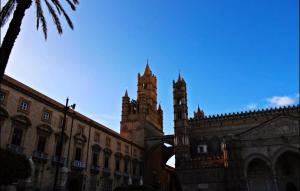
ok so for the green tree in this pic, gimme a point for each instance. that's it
(18, 8)
(13, 167)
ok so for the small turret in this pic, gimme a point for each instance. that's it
(125, 106)
(160, 114)
(199, 114)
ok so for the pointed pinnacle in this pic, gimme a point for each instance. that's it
(147, 69)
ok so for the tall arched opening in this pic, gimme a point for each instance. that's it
(259, 176)
(287, 171)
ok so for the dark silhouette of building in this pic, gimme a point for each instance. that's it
(245, 151)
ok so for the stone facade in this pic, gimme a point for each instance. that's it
(246, 151)
(94, 157)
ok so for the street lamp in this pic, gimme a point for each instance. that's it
(61, 142)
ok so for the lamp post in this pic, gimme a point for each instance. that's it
(61, 141)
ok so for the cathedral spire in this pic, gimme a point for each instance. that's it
(179, 77)
(159, 107)
(147, 69)
(126, 94)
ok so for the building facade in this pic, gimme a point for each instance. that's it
(246, 151)
(94, 157)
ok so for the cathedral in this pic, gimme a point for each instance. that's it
(244, 151)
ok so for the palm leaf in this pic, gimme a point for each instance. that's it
(6, 11)
(56, 2)
(71, 5)
(40, 17)
(56, 6)
(54, 17)
(76, 2)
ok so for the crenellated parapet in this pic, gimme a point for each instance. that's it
(247, 114)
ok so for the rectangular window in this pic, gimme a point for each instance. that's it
(2, 96)
(24, 105)
(134, 169)
(46, 116)
(117, 165)
(17, 136)
(126, 167)
(78, 154)
(106, 161)
(95, 159)
(57, 148)
(97, 137)
(107, 142)
(141, 169)
(201, 149)
(134, 153)
(61, 122)
(41, 143)
(118, 146)
(127, 149)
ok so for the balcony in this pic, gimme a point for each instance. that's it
(15, 148)
(95, 169)
(106, 172)
(39, 156)
(118, 174)
(61, 161)
(78, 165)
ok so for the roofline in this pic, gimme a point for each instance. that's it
(13, 83)
(243, 114)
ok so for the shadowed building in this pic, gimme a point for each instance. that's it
(246, 151)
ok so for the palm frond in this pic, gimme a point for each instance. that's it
(6, 11)
(71, 5)
(76, 2)
(69, 21)
(40, 17)
(54, 17)
(56, 6)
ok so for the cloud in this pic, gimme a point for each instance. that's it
(251, 106)
(280, 100)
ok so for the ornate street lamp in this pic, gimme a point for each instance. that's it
(61, 142)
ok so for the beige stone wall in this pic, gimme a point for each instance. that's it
(29, 141)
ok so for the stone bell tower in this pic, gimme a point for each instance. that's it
(142, 117)
(181, 127)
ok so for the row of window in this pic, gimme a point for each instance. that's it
(41, 145)
(18, 134)
(24, 106)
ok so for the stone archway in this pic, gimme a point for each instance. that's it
(259, 175)
(156, 156)
(287, 171)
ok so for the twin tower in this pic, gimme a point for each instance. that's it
(142, 118)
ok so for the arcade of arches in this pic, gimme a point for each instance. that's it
(280, 175)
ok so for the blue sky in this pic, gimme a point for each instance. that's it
(234, 55)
